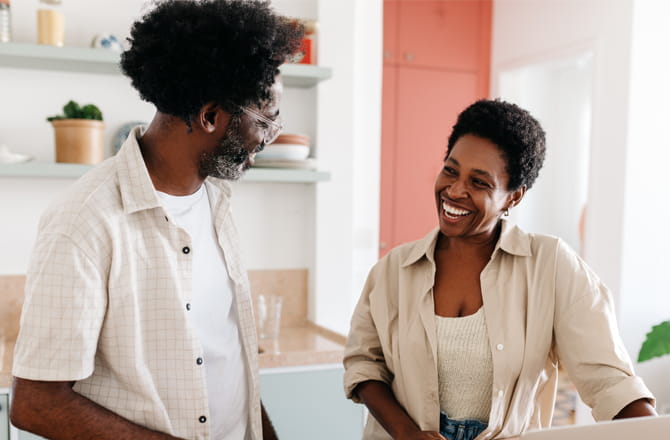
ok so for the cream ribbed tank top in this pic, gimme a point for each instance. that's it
(464, 366)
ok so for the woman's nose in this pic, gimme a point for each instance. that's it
(456, 190)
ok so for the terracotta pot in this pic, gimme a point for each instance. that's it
(79, 140)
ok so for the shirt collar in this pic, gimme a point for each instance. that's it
(512, 240)
(137, 189)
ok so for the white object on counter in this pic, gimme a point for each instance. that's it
(7, 156)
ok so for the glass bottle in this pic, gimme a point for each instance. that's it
(5, 22)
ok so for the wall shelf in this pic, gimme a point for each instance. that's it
(102, 61)
(71, 170)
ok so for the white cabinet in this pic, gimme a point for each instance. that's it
(307, 403)
(4, 417)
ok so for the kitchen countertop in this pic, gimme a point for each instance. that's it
(301, 346)
(298, 346)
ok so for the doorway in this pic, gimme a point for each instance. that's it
(559, 94)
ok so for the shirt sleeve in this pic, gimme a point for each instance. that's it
(63, 311)
(588, 341)
(363, 354)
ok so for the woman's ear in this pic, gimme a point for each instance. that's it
(516, 196)
(212, 118)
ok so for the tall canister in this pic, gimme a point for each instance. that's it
(5, 22)
(50, 23)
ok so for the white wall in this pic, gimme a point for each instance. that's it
(278, 223)
(645, 284)
(529, 32)
(627, 196)
(349, 135)
(558, 94)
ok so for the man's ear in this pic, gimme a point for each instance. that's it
(516, 196)
(212, 118)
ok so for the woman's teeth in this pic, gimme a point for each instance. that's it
(453, 212)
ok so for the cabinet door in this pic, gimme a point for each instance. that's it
(306, 405)
(428, 102)
(440, 34)
(390, 32)
(387, 183)
(4, 417)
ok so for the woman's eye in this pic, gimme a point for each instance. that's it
(450, 171)
(261, 124)
(480, 183)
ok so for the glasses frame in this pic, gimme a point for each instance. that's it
(274, 128)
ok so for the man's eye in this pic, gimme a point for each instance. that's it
(262, 124)
(449, 171)
(481, 183)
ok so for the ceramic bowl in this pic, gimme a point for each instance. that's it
(284, 152)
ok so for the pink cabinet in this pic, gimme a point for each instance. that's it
(436, 62)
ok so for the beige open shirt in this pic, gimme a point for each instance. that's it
(542, 303)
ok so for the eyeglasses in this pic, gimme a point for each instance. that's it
(270, 127)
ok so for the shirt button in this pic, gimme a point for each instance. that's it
(500, 347)
(199, 361)
(202, 419)
(501, 393)
(186, 249)
(188, 306)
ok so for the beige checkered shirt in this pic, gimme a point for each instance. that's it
(107, 297)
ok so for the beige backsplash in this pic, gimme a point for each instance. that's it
(291, 284)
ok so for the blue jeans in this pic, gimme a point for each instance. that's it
(460, 429)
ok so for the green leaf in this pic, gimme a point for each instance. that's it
(657, 342)
(72, 110)
(90, 111)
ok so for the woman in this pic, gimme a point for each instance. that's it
(458, 335)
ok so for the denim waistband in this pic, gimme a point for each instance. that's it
(460, 429)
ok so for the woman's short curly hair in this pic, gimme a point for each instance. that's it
(517, 133)
(186, 53)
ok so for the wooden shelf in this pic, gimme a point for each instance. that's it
(73, 171)
(102, 61)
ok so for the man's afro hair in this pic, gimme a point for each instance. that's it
(186, 53)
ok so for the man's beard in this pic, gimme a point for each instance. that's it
(230, 158)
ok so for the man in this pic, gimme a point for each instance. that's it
(137, 321)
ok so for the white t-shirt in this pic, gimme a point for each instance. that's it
(214, 317)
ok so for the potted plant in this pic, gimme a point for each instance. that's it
(79, 134)
(657, 342)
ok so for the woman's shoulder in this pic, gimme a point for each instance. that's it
(410, 252)
(540, 243)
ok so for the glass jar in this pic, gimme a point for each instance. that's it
(50, 23)
(5, 22)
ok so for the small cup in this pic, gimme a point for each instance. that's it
(269, 316)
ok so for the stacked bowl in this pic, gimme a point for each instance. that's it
(290, 150)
